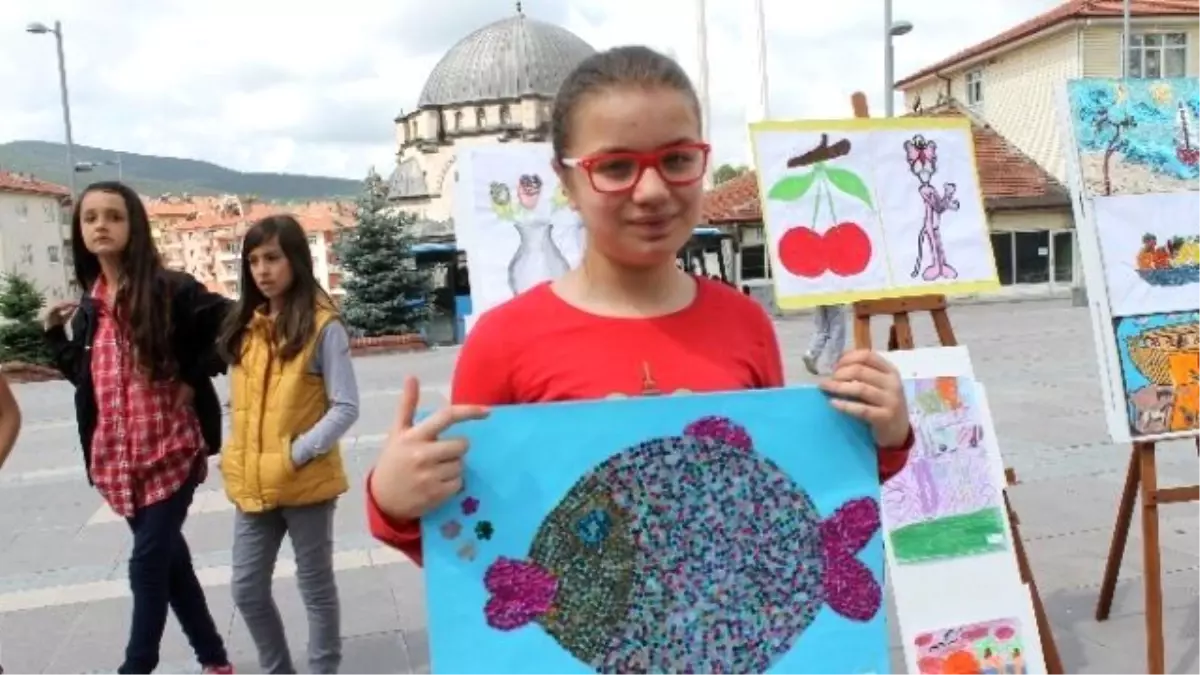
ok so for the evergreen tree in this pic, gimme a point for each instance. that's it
(21, 333)
(385, 292)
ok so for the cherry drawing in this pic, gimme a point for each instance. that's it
(922, 162)
(844, 248)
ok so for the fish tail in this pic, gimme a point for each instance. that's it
(849, 529)
(850, 588)
(720, 429)
(521, 592)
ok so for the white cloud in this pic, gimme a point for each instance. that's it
(275, 85)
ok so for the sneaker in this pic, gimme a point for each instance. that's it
(810, 363)
(226, 669)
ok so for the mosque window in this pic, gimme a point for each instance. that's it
(457, 120)
(480, 117)
(505, 115)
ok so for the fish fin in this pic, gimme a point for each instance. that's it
(521, 592)
(849, 529)
(720, 429)
(850, 588)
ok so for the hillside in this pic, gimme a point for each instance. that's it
(153, 176)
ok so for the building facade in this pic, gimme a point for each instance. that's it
(34, 234)
(495, 86)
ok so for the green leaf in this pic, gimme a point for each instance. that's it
(849, 183)
(791, 188)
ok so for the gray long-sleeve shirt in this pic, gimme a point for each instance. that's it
(332, 362)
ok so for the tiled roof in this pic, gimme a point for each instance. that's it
(1067, 11)
(27, 184)
(1007, 177)
(313, 216)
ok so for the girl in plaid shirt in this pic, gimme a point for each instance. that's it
(141, 355)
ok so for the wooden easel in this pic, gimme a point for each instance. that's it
(1143, 474)
(900, 337)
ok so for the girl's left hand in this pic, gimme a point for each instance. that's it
(184, 395)
(868, 386)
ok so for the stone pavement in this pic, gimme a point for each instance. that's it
(64, 603)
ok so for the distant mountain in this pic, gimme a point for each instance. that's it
(153, 176)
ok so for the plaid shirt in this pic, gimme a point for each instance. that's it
(144, 448)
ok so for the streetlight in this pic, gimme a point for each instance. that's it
(38, 28)
(891, 29)
(85, 167)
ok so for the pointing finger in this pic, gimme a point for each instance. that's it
(408, 404)
(431, 426)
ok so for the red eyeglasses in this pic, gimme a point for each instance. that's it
(617, 172)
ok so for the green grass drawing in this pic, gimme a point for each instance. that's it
(950, 537)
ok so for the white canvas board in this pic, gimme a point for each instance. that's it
(1144, 273)
(1103, 335)
(957, 580)
(943, 634)
(513, 221)
(862, 209)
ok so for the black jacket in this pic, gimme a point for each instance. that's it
(196, 316)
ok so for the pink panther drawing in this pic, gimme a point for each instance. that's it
(922, 162)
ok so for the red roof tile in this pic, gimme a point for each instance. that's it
(1007, 177)
(27, 184)
(1067, 11)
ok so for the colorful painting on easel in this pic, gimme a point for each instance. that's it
(681, 540)
(1160, 367)
(993, 647)
(945, 503)
(514, 221)
(1137, 136)
(872, 208)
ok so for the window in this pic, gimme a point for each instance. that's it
(48, 209)
(974, 87)
(52, 253)
(312, 240)
(480, 117)
(1002, 249)
(1154, 55)
(412, 131)
(754, 262)
(505, 115)
(457, 120)
(23, 209)
(1064, 256)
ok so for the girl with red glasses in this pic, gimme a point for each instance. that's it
(630, 154)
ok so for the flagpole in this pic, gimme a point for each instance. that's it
(762, 104)
(702, 85)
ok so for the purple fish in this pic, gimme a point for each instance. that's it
(689, 553)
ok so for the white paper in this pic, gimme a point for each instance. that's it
(1010, 606)
(1123, 224)
(900, 213)
(511, 220)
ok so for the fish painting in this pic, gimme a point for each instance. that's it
(689, 553)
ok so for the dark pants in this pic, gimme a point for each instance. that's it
(161, 576)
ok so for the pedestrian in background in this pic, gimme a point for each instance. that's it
(293, 395)
(829, 339)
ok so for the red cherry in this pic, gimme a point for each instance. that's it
(848, 248)
(803, 252)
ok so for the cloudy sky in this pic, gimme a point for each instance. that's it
(269, 85)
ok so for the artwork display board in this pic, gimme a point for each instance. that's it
(1133, 165)
(513, 221)
(866, 208)
(701, 533)
(951, 562)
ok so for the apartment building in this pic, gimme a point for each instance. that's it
(1012, 84)
(34, 231)
(202, 236)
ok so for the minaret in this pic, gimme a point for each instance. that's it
(759, 109)
(702, 83)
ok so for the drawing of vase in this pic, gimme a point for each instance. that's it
(537, 258)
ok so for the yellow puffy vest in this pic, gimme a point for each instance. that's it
(273, 402)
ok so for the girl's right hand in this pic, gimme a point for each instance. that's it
(416, 471)
(60, 313)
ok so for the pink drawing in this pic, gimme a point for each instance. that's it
(922, 162)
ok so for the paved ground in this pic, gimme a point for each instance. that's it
(64, 605)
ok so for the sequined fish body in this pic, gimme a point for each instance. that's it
(689, 553)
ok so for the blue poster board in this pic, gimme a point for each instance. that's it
(727, 533)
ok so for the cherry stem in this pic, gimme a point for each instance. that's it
(829, 198)
(817, 200)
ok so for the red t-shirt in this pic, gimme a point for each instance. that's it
(537, 348)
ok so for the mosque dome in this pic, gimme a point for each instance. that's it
(508, 59)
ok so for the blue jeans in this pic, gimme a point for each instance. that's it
(161, 576)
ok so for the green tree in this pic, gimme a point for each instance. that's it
(386, 294)
(727, 172)
(21, 333)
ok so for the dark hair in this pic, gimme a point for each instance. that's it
(632, 66)
(140, 302)
(295, 324)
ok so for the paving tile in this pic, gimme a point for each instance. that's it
(30, 638)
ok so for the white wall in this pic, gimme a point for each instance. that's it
(31, 242)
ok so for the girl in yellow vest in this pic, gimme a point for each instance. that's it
(293, 395)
